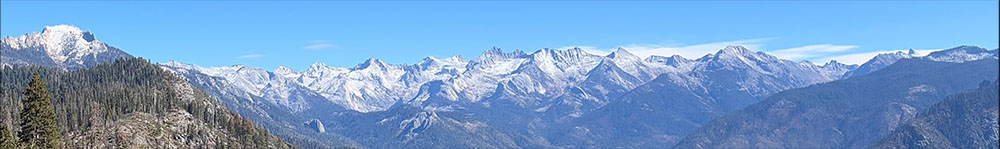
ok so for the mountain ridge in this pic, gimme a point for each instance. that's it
(814, 116)
(60, 46)
(547, 98)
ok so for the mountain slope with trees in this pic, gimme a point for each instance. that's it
(850, 113)
(967, 120)
(128, 103)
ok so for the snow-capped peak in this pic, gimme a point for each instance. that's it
(62, 38)
(287, 72)
(428, 59)
(65, 45)
(493, 49)
(560, 55)
(835, 69)
(962, 54)
(230, 71)
(833, 63)
(283, 68)
(238, 66)
(433, 61)
(738, 54)
(371, 63)
(895, 56)
(317, 66)
(62, 30)
(495, 53)
(735, 50)
(455, 58)
(173, 63)
(878, 62)
(576, 50)
(494, 56)
(544, 51)
(67, 33)
(674, 60)
(622, 53)
(955, 55)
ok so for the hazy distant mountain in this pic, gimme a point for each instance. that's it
(850, 113)
(965, 120)
(834, 68)
(878, 62)
(659, 113)
(60, 46)
(956, 54)
(962, 54)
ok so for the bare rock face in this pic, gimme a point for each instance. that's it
(178, 129)
(316, 125)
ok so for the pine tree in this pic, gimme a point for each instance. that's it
(38, 119)
(6, 138)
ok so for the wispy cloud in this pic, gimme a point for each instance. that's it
(688, 51)
(320, 44)
(810, 52)
(859, 58)
(250, 56)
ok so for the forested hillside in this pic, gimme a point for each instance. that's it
(850, 113)
(966, 120)
(131, 103)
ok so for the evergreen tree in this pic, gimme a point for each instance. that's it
(6, 138)
(38, 119)
(89, 100)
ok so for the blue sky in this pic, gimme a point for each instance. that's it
(296, 34)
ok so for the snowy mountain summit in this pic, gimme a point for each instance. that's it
(544, 78)
(536, 80)
(61, 46)
(962, 54)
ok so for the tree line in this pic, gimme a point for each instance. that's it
(48, 103)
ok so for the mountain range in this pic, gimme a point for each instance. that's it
(966, 120)
(829, 115)
(547, 98)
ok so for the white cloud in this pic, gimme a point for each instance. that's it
(251, 56)
(810, 51)
(320, 46)
(859, 58)
(688, 51)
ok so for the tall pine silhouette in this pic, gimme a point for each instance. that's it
(38, 119)
(6, 138)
